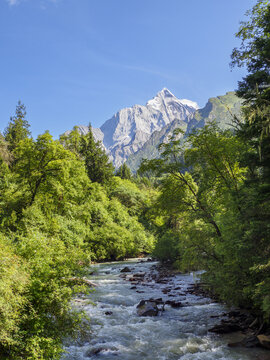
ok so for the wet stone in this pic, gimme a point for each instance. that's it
(147, 308)
(174, 304)
(225, 328)
(125, 269)
(248, 342)
(108, 312)
(98, 350)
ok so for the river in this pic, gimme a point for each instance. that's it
(176, 334)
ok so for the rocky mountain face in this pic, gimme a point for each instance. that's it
(220, 109)
(127, 131)
(134, 133)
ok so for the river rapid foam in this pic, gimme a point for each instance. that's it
(175, 334)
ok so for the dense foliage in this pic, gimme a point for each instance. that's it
(60, 208)
(206, 199)
(213, 210)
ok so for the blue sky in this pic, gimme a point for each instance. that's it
(75, 61)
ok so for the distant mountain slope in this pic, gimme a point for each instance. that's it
(134, 133)
(220, 108)
(127, 131)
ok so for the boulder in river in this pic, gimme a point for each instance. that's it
(225, 328)
(97, 350)
(139, 275)
(174, 304)
(108, 312)
(157, 301)
(125, 269)
(147, 308)
(248, 342)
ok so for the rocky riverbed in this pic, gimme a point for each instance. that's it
(142, 311)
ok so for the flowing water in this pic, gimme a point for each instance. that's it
(177, 333)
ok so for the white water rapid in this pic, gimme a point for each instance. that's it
(175, 334)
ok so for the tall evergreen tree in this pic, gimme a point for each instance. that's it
(98, 166)
(18, 127)
(124, 172)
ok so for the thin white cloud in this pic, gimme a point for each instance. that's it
(13, 2)
(150, 71)
(43, 2)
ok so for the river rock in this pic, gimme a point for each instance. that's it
(139, 275)
(125, 270)
(97, 350)
(147, 308)
(158, 301)
(89, 353)
(165, 291)
(108, 312)
(174, 304)
(225, 328)
(248, 342)
(264, 341)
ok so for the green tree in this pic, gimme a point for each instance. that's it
(42, 165)
(199, 201)
(98, 166)
(18, 128)
(13, 286)
(72, 140)
(254, 54)
(124, 172)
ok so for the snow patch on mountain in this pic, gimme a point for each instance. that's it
(190, 103)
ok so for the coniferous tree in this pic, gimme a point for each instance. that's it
(98, 166)
(124, 172)
(18, 127)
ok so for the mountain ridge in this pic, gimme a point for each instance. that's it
(220, 109)
(134, 133)
(128, 129)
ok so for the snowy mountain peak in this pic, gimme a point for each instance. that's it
(190, 103)
(165, 93)
(127, 130)
(165, 98)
